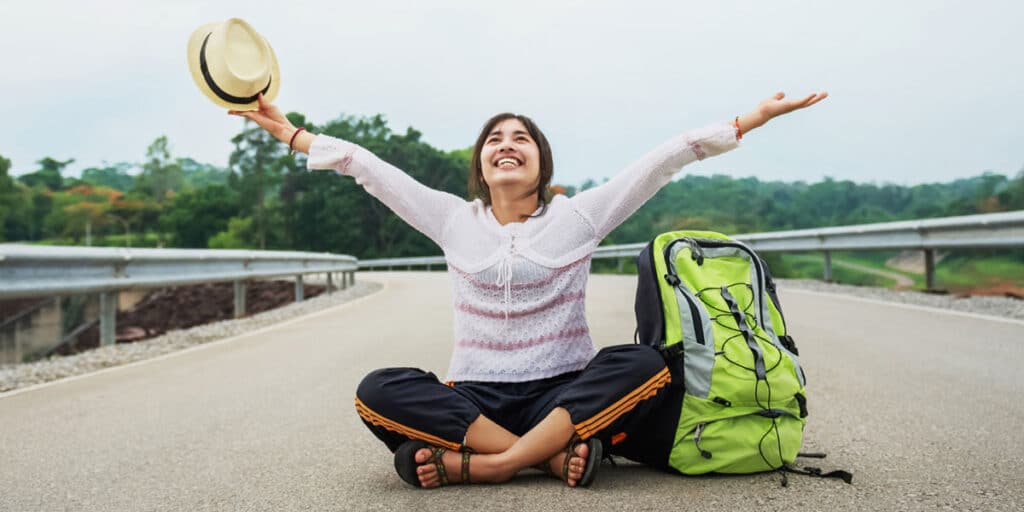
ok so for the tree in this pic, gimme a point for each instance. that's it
(235, 237)
(161, 176)
(10, 200)
(198, 175)
(257, 177)
(196, 216)
(114, 176)
(49, 174)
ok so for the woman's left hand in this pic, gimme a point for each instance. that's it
(776, 106)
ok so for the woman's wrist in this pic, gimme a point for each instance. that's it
(303, 141)
(285, 133)
(749, 121)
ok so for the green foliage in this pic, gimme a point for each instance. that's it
(200, 175)
(195, 216)
(235, 237)
(115, 176)
(748, 205)
(10, 197)
(161, 175)
(48, 176)
(256, 174)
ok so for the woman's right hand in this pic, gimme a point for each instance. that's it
(270, 119)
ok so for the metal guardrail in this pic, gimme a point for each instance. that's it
(31, 270)
(27, 270)
(991, 230)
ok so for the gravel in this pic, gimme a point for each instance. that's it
(59, 367)
(21, 375)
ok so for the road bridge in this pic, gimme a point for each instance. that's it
(922, 406)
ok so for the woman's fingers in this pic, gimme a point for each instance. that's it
(811, 99)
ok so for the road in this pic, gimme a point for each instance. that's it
(901, 281)
(923, 407)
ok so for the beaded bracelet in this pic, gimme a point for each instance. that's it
(739, 132)
(291, 149)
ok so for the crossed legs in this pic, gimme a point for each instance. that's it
(501, 454)
(621, 384)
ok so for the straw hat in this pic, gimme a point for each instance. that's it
(231, 63)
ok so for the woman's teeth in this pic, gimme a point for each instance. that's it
(507, 163)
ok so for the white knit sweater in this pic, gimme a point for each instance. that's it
(519, 288)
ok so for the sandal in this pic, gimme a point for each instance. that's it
(593, 459)
(405, 462)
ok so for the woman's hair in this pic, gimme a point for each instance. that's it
(478, 187)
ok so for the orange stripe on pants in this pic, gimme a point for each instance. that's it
(627, 403)
(373, 418)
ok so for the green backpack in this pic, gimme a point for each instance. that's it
(707, 302)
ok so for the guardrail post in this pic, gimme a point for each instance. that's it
(108, 318)
(239, 299)
(298, 288)
(18, 355)
(352, 278)
(621, 261)
(330, 283)
(929, 269)
(828, 267)
(344, 280)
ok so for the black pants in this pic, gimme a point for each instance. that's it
(608, 399)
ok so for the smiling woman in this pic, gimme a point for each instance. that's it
(513, 154)
(526, 387)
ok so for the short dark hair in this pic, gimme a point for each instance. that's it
(478, 187)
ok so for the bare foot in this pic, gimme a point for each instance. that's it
(577, 463)
(427, 471)
(482, 468)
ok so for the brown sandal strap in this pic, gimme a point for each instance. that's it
(442, 472)
(465, 467)
(570, 450)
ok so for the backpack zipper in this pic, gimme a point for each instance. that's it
(698, 430)
(697, 253)
(754, 261)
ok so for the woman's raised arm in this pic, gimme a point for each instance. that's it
(425, 209)
(611, 203)
(276, 124)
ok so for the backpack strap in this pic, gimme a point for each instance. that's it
(845, 476)
(671, 352)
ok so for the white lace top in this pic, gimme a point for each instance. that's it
(519, 288)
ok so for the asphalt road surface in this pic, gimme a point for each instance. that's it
(923, 407)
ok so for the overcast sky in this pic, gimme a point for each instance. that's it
(919, 91)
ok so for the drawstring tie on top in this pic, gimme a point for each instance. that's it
(505, 279)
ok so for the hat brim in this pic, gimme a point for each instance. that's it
(195, 44)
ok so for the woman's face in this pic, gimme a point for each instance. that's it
(510, 158)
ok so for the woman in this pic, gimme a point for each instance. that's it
(526, 387)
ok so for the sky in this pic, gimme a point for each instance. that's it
(919, 91)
